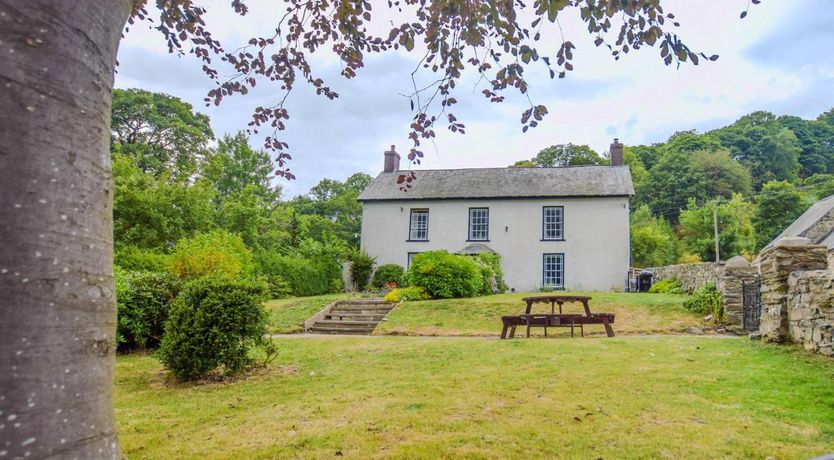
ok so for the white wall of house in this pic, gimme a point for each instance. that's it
(595, 246)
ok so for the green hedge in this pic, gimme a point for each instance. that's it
(143, 301)
(706, 301)
(304, 276)
(213, 324)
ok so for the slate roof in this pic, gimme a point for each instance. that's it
(475, 249)
(816, 224)
(443, 184)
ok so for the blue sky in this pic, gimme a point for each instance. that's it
(779, 59)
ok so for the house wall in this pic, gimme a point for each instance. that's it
(596, 244)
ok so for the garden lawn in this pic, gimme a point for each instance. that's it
(402, 397)
(635, 314)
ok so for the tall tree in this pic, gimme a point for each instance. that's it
(234, 165)
(56, 186)
(769, 150)
(724, 175)
(777, 206)
(567, 155)
(736, 234)
(671, 183)
(816, 141)
(161, 133)
(57, 310)
(653, 241)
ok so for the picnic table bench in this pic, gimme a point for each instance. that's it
(554, 319)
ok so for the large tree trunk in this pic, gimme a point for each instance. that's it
(57, 310)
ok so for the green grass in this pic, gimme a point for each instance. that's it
(481, 316)
(399, 397)
(635, 314)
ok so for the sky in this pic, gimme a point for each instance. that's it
(778, 59)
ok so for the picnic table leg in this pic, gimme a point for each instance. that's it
(504, 331)
(609, 331)
(571, 327)
(545, 329)
(528, 326)
(512, 331)
(582, 330)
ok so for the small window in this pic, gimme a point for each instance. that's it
(553, 223)
(418, 229)
(410, 258)
(478, 224)
(553, 271)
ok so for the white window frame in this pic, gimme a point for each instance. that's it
(415, 226)
(553, 223)
(553, 270)
(482, 220)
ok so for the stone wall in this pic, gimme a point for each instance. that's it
(810, 305)
(737, 271)
(691, 276)
(776, 264)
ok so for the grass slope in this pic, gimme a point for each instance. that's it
(287, 316)
(398, 397)
(636, 314)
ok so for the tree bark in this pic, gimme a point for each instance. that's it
(57, 308)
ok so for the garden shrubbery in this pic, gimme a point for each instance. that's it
(388, 274)
(212, 325)
(444, 275)
(407, 294)
(217, 253)
(706, 301)
(143, 301)
(304, 276)
(133, 258)
(361, 267)
(666, 286)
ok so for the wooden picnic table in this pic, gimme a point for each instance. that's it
(554, 319)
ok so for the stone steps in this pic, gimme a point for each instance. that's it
(356, 316)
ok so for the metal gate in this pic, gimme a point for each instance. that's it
(752, 299)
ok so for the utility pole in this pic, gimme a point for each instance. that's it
(715, 229)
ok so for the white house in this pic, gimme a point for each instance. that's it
(559, 228)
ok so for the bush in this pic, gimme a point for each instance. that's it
(408, 294)
(213, 324)
(445, 275)
(387, 274)
(217, 253)
(134, 259)
(276, 284)
(304, 276)
(666, 286)
(493, 276)
(361, 267)
(689, 258)
(143, 301)
(706, 301)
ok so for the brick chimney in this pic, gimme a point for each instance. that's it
(616, 153)
(392, 160)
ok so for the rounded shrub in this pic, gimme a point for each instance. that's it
(444, 275)
(388, 274)
(361, 267)
(143, 301)
(213, 324)
(217, 253)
